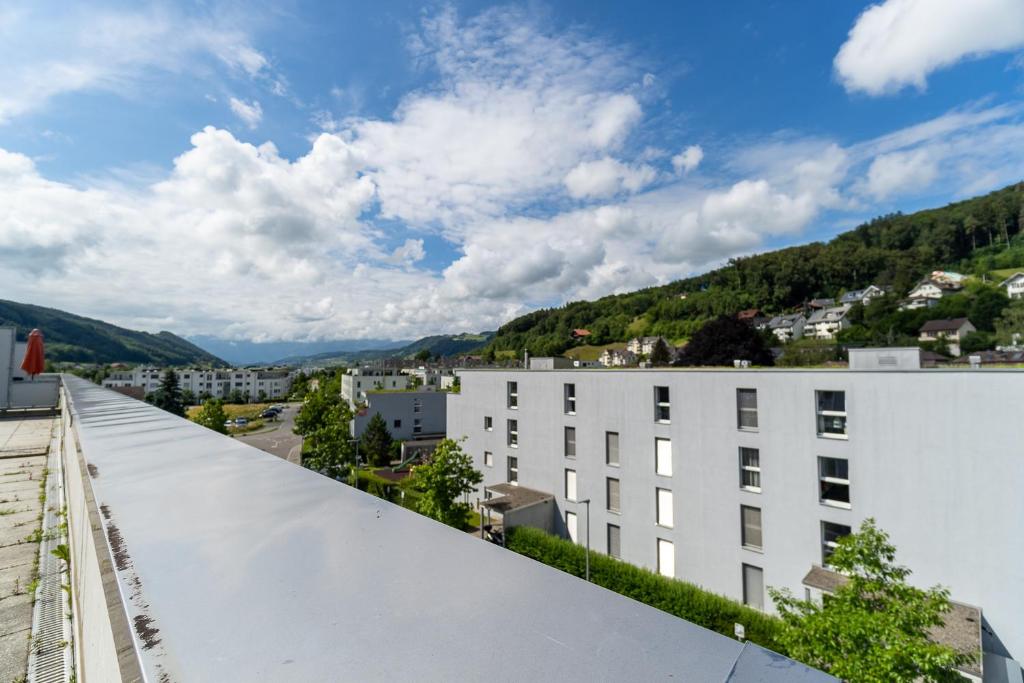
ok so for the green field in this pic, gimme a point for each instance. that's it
(588, 352)
(1003, 273)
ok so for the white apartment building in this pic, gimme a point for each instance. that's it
(826, 323)
(737, 480)
(358, 381)
(254, 384)
(1014, 286)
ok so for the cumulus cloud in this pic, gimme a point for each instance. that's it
(251, 113)
(898, 43)
(520, 155)
(688, 159)
(606, 177)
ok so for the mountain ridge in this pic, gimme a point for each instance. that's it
(74, 338)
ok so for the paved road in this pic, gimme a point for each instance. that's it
(279, 440)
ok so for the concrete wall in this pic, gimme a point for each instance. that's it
(935, 456)
(103, 640)
(540, 515)
(401, 406)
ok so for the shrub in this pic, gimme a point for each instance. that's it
(678, 598)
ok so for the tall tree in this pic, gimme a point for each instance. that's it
(971, 226)
(723, 340)
(660, 354)
(375, 444)
(444, 478)
(212, 416)
(1010, 325)
(168, 394)
(875, 627)
(324, 423)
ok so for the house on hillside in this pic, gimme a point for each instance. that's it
(862, 296)
(826, 323)
(818, 304)
(788, 327)
(580, 333)
(644, 346)
(928, 291)
(617, 358)
(950, 331)
(1014, 286)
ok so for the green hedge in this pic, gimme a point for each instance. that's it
(681, 599)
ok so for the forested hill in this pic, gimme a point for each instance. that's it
(971, 236)
(71, 337)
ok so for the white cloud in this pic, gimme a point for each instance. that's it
(408, 253)
(606, 177)
(900, 172)
(688, 159)
(49, 53)
(898, 43)
(251, 113)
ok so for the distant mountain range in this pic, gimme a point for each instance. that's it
(70, 337)
(437, 345)
(267, 353)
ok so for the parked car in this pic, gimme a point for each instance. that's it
(269, 413)
(229, 424)
(241, 421)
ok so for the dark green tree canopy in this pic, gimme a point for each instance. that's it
(724, 340)
(168, 394)
(212, 416)
(444, 479)
(375, 443)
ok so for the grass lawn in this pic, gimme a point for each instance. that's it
(247, 410)
(1003, 273)
(589, 352)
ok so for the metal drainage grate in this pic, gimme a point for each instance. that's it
(49, 658)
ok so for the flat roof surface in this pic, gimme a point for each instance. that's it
(513, 497)
(248, 567)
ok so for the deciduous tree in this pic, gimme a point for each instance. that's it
(875, 626)
(444, 478)
(724, 340)
(212, 416)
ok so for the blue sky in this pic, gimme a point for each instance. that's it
(385, 170)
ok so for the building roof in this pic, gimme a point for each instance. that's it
(581, 333)
(202, 523)
(947, 325)
(826, 315)
(513, 497)
(787, 320)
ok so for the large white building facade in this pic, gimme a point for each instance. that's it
(254, 384)
(737, 480)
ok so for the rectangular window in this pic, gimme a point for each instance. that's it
(750, 469)
(513, 394)
(663, 457)
(488, 423)
(666, 558)
(664, 504)
(662, 406)
(614, 540)
(834, 479)
(570, 399)
(611, 448)
(831, 407)
(753, 586)
(513, 469)
(750, 519)
(417, 405)
(570, 442)
(398, 424)
(570, 526)
(513, 434)
(746, 408)
(417, 426)
(570, 484)
(830, 535)
(612, 494)
(488, 459)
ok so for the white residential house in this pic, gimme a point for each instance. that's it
(358, 381)
(788, 327)
(1014, 286)
(863, 296)
(617, 358)
(951, 331)
(826, 323)
(644, 346)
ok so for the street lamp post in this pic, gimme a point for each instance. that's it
(586, 502)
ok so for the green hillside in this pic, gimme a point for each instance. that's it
(437, 345)
(74, 338)
(976, 236)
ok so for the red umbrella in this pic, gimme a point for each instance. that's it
(33, 363)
